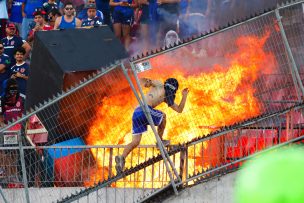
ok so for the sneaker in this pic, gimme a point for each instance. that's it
(166, 143)
(120, 164)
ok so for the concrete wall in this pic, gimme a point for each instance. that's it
(48, 195)
(218, 190)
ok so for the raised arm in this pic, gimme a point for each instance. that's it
(179, 108)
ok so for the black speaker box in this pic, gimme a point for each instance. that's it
(61, 58)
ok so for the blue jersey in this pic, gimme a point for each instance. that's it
(4, 59)
(97, 21)
(16, 12)
(23, 69)
(124, 9)
(31, 5)
(67, 25)
(84, 15)
(10, 44)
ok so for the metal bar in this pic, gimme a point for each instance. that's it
(290, 4)
(282, 101)
(24, 175)
(162, 149)
(110, 163)
(290, 55)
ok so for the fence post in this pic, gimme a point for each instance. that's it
(294, 70)
(2, 195)
(24, 177)
(184, 164)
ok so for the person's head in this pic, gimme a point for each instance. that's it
(171, 38)
(68, 9)
(171, 86)
(91, 10)
(53, 14)
(91, 2)
(19, 54)
(11, 89)
(10, 29)
(39, 15)
(1, 48)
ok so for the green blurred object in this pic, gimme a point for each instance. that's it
(274, 177)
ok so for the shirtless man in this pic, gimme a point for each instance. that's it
(158, 94)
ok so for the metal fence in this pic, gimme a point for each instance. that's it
(237, 73)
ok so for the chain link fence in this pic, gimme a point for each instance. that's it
(234, 74)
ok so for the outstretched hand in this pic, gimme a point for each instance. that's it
(185, 92)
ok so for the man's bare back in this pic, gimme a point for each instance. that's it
(156, 94)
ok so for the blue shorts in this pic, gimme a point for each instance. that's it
(125, 18)
(140, 122)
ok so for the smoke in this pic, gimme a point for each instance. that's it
(217, 14)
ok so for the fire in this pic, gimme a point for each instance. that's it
(219, 97)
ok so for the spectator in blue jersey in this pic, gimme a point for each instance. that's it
(16, 14)
(123, 16)
(82, 15)
(93, 19)
(20, 71)
(4, 66)
(28, 8)
(12, 42)
(68, 20)
(3, 17)
(49, 5)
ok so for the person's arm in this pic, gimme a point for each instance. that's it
(20, 75)
(179, 108)
(134, 4)
(112, 3)
(78, 22)
(146, 82)
(30, 37)
(27, 48)
(168, 1)
(57, 22)
(22, 10)
(2, 67)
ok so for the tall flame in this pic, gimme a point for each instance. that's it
(217, 98)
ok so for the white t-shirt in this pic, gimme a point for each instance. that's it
(3, 10)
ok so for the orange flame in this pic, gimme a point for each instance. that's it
(217, 98)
